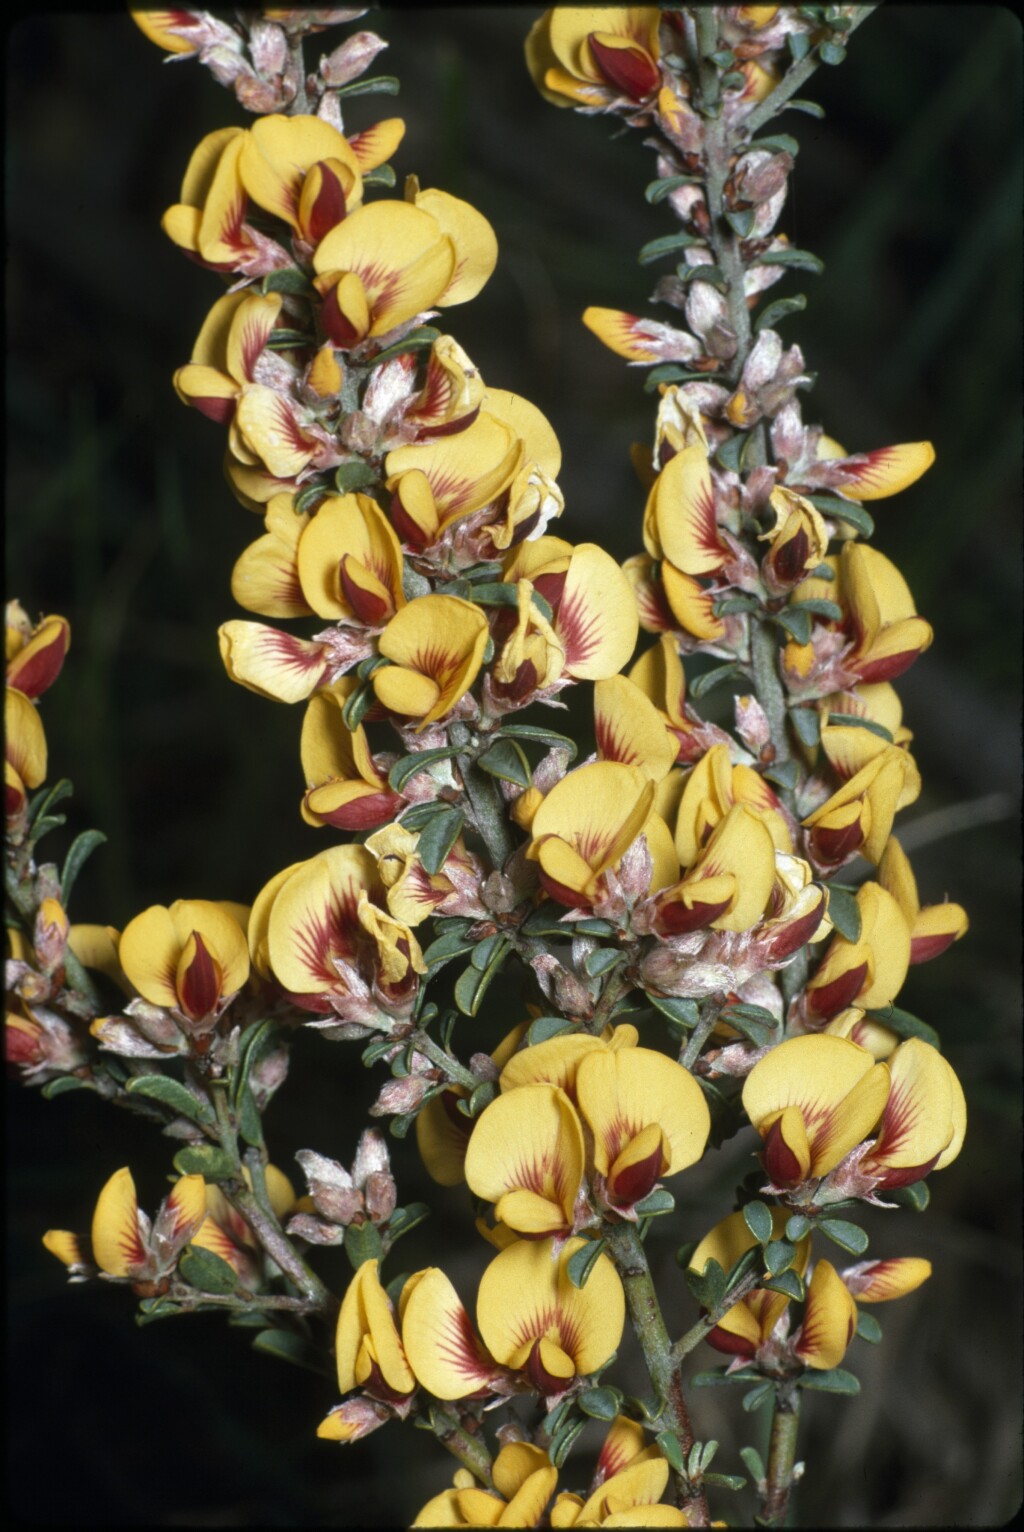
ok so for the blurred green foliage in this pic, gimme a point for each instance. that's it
(119, 518)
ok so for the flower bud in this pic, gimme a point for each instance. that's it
(351, 58)
(400, 1096)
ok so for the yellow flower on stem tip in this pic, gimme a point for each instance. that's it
(436, 647)
(524, 1481)
(192, 957)
(127, 1245)
(587, 823)
(830, 1319)
(36, 654)
(532, 1319)
(368, 1348)
(443, 1349)
(711, 789)
(265, 578)
(452, 391)
(343, 786)
(557, 1061)
(672, 601)
(350, 562)
(932, 928)
(869, 972)
(813, 1099)
(629, 728)
(437, 482)
(647, 1114)
(798, 541)
(594, 614)
(859, 816)
(729, 885)
(209, 221)
(389, 261)
(640, 341)
(229, 345)
(526, 1155)
(170, 29)
(595, 56)
(680, 521)
(879, 617)
(744, 1328)
(302, 170)
(852, 1023)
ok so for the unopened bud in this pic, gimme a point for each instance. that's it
(268, 47)
(752, 724)
(400, 1096)
(351, 59)
(381, 1195)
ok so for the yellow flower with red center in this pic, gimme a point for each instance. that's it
(524, 1480)
(265, 578)
(225, 1233)
(859, 815)
(849, 746)
(660, 676)
(36, 652)
(595, 56)
(744, 1328)
(594, 615)
(125, 1243)
(436, 647)
(798, 541)
(934, 927)
(191, 958)
(224, 358)
(350, 562)
(880, 619)
(729, 885)
(587, 823)
(870, 971)
(343, 785)
(629, 728)
(710, 791)
(368, 1350)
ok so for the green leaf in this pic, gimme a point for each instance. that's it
(712, 275)
(546, 1026)
(381, 175)
(351, 477)
(562, 1442)
(172, 1094)
(671, 1451)
(843, 911)
(444, 949)
(793, 260)
(592, 926)
(781, 308)
(905, 1025)
(831, 52)
(797, 1227)
(377, 85)
(421, 814)
(786, 1282)
(657, 191)
(916, 1195)
(818, 607)
(868, 1328)
(357, 706)
(726, 1480)
(752, 1462)
(416, 340)
(844, 510)
(702, 684)
(250, 1123)
(251, 1045)
(288, 340)
(848, 1236)
(838, 1381)
(505, 759)
(756, 1397)
(801, 104)
(288, 1346)
(63, 1084)
(681, 1013)
(741, 220)
(734, 80)
(151, 1309)
(79, 851)
(656, 1203)
(375, 1051)
(754, 1021)
(47, 822)
(799, 45)
(207, 1272)
(471, 985)
(730, 451)
(851, 721)
(404, 1219)
(545, 736)
(822, 572)
(806, 724)
(362, 1243)
(749, 1261)
(438, 837)
(485, 950)
(555, 1417)
(723, 605)
(670, 372)
(308, 497)
(583, 1261)
(47, 798)
(601, 961)
(704, 1455)
(288, 280)
(778, 143)
(407, 766)
(779, 1256)
(600, 1403)
(547, 921)
(758, 1218)
(785, 774)
(796, 623)
(712, 1378)
(207, 1161)
(666, 244)
(707, 1286)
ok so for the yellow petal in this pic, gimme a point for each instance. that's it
(816, 1074)
(680, 518)
(265, 578)
(880, 1281)
(924, 1114)
(277, 153)
(528, 1140)
(273, 663)
(622, 1092)
(476, 248)
(524, 1291)
(439, 1340)
(149, 951)
(366, 1311)
(314, 918)
(350, 527)
(436, 638)
(887, 470)
(400, 255)
(25, 740)
(116, 1239)
(830, 1319)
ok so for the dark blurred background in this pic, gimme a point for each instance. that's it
(119, 518)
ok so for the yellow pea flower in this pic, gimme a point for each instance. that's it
(629, 728)
(368, 1348)
(524, 1479)
(344, 788)
(848, 747)
(729, 885)
(798, 541)
(273, 663)
(859, 815)
(744, 1328)
(350, 562)
(191, 957)
(870, 971)
(128, 1245)
(526, 1155)
(35, 654)
(265, 578)
(436, 647)
(438, 482)
(594, 614)
(24, 749)
(680, 521)
(932, 928)
(595, 56)
(302, 170)
(710, 791)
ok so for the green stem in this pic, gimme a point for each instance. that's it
(794, 78)
(188, 1298)
(618, 985)
(645, 1313)
(488, 810)
(781, 1456)
(693, 1337)
(254, 1205)
(226, 1130)
(455, 1071)
(470, 1450)
(699, 1036)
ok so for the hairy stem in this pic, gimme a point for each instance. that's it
(254, 1205)
(470, 1450)
(454, 1071)
(645, 1313)
(795, 78)
(781, 1456)
(693, 1337)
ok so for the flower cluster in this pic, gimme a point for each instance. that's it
(685, 872)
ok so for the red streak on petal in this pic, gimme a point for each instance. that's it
(633, 1183)
(563, 894)
(219, 410)
(779, 1160)
(924, 948)
(364, 813)
(329, 208)
(201, 981)
(675, 919)
(829, 846)
(41, 668)
(886, 668)
(339, 330)
(829, 999)
(733, 1345)
(630, 70)
(551, 586)
(368, 607)
(408, 530)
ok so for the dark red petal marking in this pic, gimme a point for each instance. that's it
(778, 1159)
(629, 70)
(835, 845)
(830, 999)
(364, 813)
(551, 586)
(41, 668)
(542, 1380)
(200, 983)
(214, 407)
(329, 208)
(408, 530)
(923, 948)
(367, 605)
(339, 330)
(733, 1345)
(674, 918)
(789, 561)
(563, 894)
(636, 1180)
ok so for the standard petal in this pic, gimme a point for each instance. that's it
(440, 1343)
(116, 1238)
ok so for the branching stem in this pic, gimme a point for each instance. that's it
(470, 1450)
